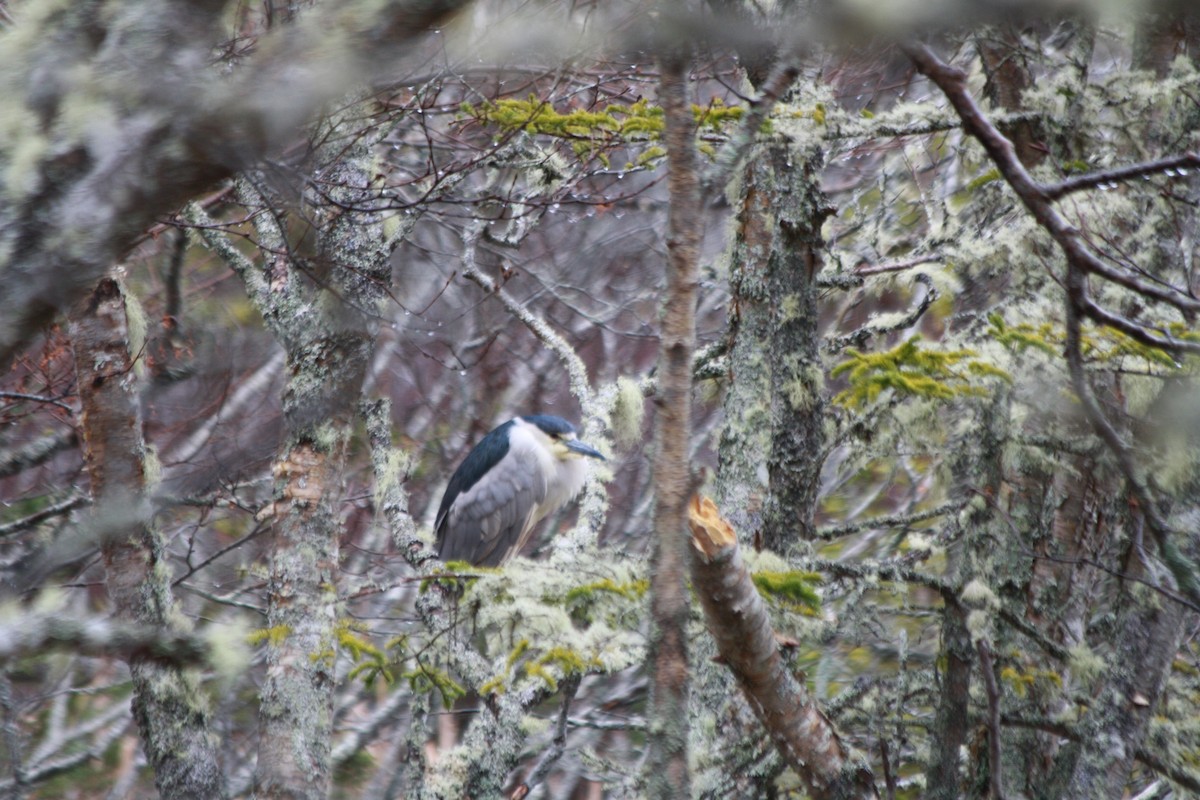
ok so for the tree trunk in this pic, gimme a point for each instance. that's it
(798, 209)
(171, 711)
(666, 770)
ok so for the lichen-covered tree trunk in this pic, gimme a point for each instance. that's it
(798, 208)
(774, 406)
(666, 770)
(774, 402)
(1114, 726)
(978, 470)
(1148, 635)
(171, 711)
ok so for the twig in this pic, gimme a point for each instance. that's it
(575, 367)
(36, 398)
(896, 266)
(65, 507)
(890, 521)
(1181, 775)
(860, 336)
(36, 452)
(557, 746)
(782, 77)
(1033, 195)
(634, 724)
(32, 632)
(48, 769)
(1105, 178)
(1160, 340)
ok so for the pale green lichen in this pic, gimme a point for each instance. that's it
(1086, 665)
(137, 327)
(977, 594)
(229, 654)
(979, 625)
(628, 413)
(392, 474)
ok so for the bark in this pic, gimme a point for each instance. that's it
(978, 470)
(1112, 734)
(952, 721)
(773, 396)
(775, 403)
(798, 209)
(666, 769)
(171, 712)
(1003, 57)
(737, 619)
(1115, 727)
(1159, 38)
(147, 127)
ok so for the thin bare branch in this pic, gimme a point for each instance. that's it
(776, 85)
(55, 510)
(551, 756)
(1107, 178)
(953, 83)
(1080, 263)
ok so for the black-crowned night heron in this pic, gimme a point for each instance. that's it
(524, 470)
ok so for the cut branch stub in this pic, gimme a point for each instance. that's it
(710, 532)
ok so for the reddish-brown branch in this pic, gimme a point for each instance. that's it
(987, 668)
(666, 767)
(1035, 197)
(737, 619)
(1104, 178)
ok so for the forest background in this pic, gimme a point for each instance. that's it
(884, 315)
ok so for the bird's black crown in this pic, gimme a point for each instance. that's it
(550, 424)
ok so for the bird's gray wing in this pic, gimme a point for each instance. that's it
(486, 521)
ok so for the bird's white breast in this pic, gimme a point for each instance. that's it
(564, 479)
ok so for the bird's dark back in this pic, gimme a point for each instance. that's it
(482, 457)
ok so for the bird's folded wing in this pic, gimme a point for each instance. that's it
(489, 519)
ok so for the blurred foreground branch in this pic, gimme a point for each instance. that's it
(25, 633)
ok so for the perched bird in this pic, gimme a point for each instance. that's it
(524, 470)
